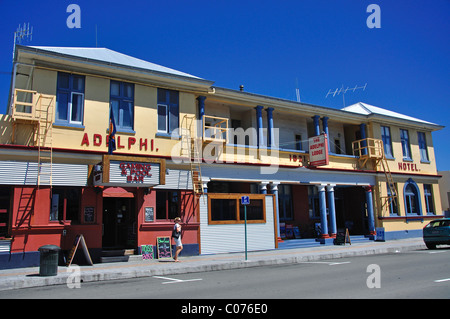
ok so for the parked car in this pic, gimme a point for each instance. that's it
(437, 232)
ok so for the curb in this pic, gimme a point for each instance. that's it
(138, 270)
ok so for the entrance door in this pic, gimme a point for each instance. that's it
(119, 222)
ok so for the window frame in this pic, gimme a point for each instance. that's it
(423, 148)
(164, 100)
(386, 137)
(429, 199)
(237, 199)
(410, 196)
(63, 204)
(70, 91)
(406, 144)
(167, 201)
(122, 99)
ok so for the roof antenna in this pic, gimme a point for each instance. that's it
(21, 34)
(343, 91)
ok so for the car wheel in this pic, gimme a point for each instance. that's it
(430, 246)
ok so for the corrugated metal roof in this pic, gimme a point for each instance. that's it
(367, 109)
(110, 56)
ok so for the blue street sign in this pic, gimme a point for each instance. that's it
(245, 200)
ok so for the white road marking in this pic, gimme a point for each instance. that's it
(174, 280)
(442, 280)
(341, 263)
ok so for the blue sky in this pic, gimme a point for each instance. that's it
(268, 46)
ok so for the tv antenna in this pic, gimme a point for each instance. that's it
(343, 91)
(22, 33)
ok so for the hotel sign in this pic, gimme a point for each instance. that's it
(318, 150)
(126, 171)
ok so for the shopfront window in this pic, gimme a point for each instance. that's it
(167, 205)
(65, 204)
(227, 209)
(285, 202)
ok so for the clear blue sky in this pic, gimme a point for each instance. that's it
(267, 46)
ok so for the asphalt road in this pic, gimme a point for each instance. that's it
(423, 274)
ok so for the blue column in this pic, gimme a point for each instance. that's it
(263, 188)
(362, 128)
(323, 211)
(259, 125)
(370, 215)
(316, 124)
(201, 113)
(332, 210)
(325, 129)
(270, 135)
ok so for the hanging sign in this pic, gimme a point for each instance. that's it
(126, 171)
(318, 150)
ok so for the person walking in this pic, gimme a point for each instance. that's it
(176, 235)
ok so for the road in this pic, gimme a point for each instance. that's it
(414, 274)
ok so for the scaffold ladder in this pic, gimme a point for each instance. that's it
(44, 139)
(190, 149)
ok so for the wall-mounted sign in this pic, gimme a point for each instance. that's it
(318, 150)
(126, 171)
(411, 167)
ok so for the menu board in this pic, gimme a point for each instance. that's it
(164, 247)
(147, 252)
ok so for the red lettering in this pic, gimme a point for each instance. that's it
(400, 166)
(85, 140)
(131, 141)
(118, 143)
(97, 140)
(143, 144)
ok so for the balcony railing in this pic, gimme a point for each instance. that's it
(215, 129)
(24, 105)
(368, 148)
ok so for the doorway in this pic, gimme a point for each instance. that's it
(119, 223)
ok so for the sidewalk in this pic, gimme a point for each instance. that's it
(136, 267)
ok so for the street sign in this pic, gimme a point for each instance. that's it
(245, 200)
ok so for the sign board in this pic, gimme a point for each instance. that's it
(318, 150)
(163, 247)
(79, 239)
(147, 252)
(127, 171)
(342, 237)
(149, 214)
(380, 234)
(245, 200)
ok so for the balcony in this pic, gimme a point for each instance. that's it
(368, 149)
(24, 106)
(215, 129)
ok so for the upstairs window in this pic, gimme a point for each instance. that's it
(122, 104)
(168, 111)
(423, 147)
(387, 141)
(428, 193)
(70, 99)
(406, 148)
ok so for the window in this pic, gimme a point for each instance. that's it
(70, 99)
(122, 104)
(387, 141)
(285, 202)
(65, 204)
(167, 204)
(406, 149)
(313, 201)
(393, 207)
(168, 111)
(423, 147)
(428, 193)
(227, 209)
(298, 142)
(412, 199)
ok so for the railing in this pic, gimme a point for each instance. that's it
(215, 128)
(24, 105)
(368, 148)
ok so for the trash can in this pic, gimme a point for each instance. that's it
(49, 255)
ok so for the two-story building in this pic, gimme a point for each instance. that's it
(187, 148)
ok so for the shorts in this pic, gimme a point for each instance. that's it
(178, 241)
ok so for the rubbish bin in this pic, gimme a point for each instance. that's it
(48, 260)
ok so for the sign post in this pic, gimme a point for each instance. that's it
(245, 200)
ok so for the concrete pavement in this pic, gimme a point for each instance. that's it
(136, 267)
